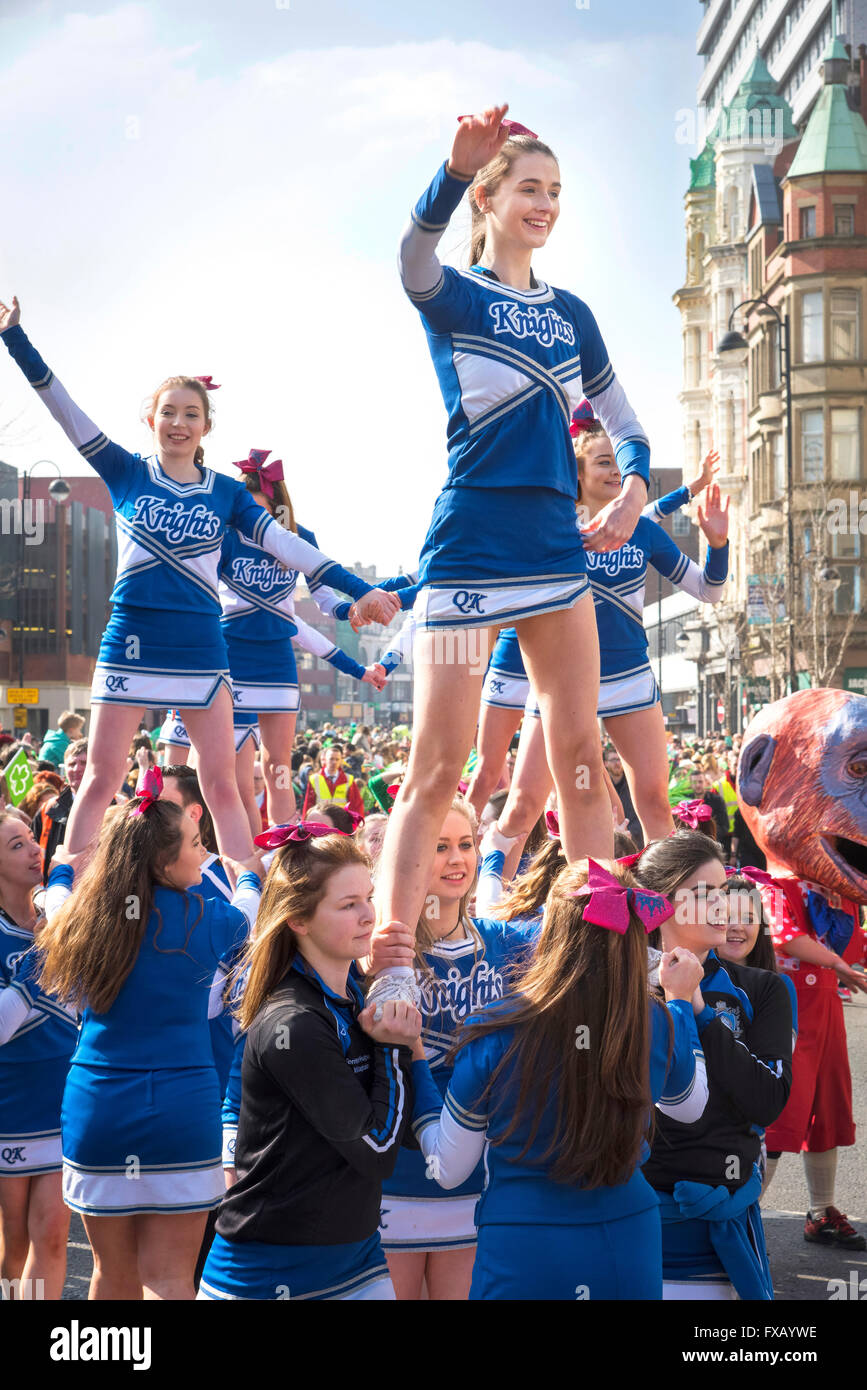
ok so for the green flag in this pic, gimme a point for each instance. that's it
(19, 778)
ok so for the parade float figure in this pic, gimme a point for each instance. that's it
(802, 790)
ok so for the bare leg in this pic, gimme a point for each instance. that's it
(278, 734)
(244, 762)
(406, 1268)
(14, 1237)
(48, 1228)
(561, 653)
(212, 735)
(175, 755)
(115, 1258)
(449, 1273)
(497, 728)
(640, 740)
(111, 731)
(531, 785)
(168, 1248)
(446, 708)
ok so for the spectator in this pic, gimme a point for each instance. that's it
(614, 768)
(49, 823)
(333, 784)
(70, 729)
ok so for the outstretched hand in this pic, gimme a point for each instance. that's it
(478, 139)
(9, 317)
(709, 467)
(714, 518)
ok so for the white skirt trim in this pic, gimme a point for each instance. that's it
(155, 689)
(278, 698)
(110, 1192)
(30, 1154)
(423, 1223)
(502, 691)
(623, 694)
(500, 603)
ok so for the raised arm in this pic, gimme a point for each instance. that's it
(708, 584)
(114, 465)
(315, 642)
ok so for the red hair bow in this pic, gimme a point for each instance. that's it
(148, 790)
(269, 473)
(552, 820)
(693, 813)
(208, 382)
(609, 902)
(757, 876)
(302, 830)
(513, 127)
(582, 419)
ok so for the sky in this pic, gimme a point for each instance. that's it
(220, 188)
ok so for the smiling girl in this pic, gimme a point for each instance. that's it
(326, 1093)
(163, 646)
(462, 963)
(708, 1177)
(513, 356)
(37, 1037)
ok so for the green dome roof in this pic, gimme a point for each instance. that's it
(757, 111)
(703, 169)
(835, 140)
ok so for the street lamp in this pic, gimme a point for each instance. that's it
(735, 342)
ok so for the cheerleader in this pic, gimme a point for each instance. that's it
(163, 645)
(559, 1080)
(461, 963)
(37, 1037)
(506, 689)
(326, 1095)
(629, 702)
(708, 1178)
(509, 352)
(141, 1106)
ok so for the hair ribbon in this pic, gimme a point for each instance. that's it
(693, 813)
(609, 902)
(148, 790)
(268, 473)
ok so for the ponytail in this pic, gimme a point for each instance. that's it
(490, 179)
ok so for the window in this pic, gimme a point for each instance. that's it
(844, 325)
(756, 266)
(808, 223)
(847, 598)
(812, 327)
(812, 446)
(844, 444)
(844, 219)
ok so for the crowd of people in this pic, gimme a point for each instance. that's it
(501, 1009)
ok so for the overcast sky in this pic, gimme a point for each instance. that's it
(220, 187)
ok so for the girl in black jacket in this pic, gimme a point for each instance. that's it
(326, 1091)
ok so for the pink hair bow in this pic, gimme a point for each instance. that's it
(208, 382)
(693, 813)
(757, 876)
(609, 902)
(269, 473)
(148, 790)
(277, 835)
(513, 127)
(552, 820)
(629, 859)
(583, 419)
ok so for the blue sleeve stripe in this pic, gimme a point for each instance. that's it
(93, 446)
(421, 296)
(597, 384)
(467, 1119)
(428, 226)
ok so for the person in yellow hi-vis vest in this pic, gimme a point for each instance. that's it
(333, 784)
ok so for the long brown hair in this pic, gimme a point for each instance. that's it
(580, 977)
(184, 383)
(281, 503)
(762, 956)
(296, 884)
(91, 944)
(529, 892)
(490, 178)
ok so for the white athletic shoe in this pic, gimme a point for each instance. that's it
(392, 986)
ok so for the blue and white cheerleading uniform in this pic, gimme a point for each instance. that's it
(37, 1038)
(163, 644)
(464, 976)
(507, 685)
(617, 580)
(512, 366)
(541, 1239)
(141, 1106)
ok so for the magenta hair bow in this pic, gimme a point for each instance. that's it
(552, 820)
(302, 830)
(609, 902)
(208, 382)
(269, 473)
(757, 876)
(629, 859)
(582, 419)
(693, 813)
(148, 790)
(513, 127)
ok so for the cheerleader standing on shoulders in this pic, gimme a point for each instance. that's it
(429, 1236)
(559, 1079)
(326, 1094)
(708, 1177)
(629, 701)
(37, 1037)
(137, 948)
(509, 352)
(163, 646)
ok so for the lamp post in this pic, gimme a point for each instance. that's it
(58, 491)
(736, 342)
